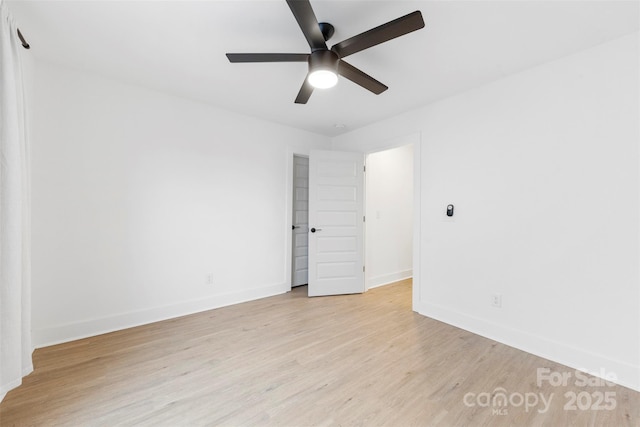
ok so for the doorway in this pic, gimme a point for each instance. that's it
(300, 219)
(389, 210)
(376, 277)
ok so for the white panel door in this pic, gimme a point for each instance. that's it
(336, 209)
(299, 262)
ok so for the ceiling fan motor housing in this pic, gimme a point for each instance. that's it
(323, 60)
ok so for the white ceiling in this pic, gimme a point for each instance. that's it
(179, 46)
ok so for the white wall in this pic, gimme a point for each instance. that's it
(138, 195)
(543, 169)
(389, 213)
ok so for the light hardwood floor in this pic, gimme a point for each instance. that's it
(290, 360)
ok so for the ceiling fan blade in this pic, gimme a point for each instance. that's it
(303, 12)
(305, 92)
(375, 36)
(268, 57)
(360, 78)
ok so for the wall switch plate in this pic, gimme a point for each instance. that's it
(209, 279)
(496, 300)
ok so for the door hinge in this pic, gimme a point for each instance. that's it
(364, 168)
(363, 268)
(364, 218)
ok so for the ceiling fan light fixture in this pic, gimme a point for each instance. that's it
(323, 69)
(323, 79)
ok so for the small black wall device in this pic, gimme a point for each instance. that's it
(449, 210)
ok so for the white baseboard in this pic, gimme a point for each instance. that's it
(627, 374)
(92, 327)
(387, 279)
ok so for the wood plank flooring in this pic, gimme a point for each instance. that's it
(289, 360)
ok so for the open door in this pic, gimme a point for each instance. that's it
(336, 229)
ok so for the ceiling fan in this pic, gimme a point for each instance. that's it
(325, 64)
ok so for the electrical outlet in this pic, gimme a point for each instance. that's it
(209, 279)
(496, 300)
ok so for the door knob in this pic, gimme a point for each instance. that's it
(313, 230)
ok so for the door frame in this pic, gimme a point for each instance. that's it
(370, 148)
(288, 218)
(413, 139)
(291, 191)
(370, 188)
